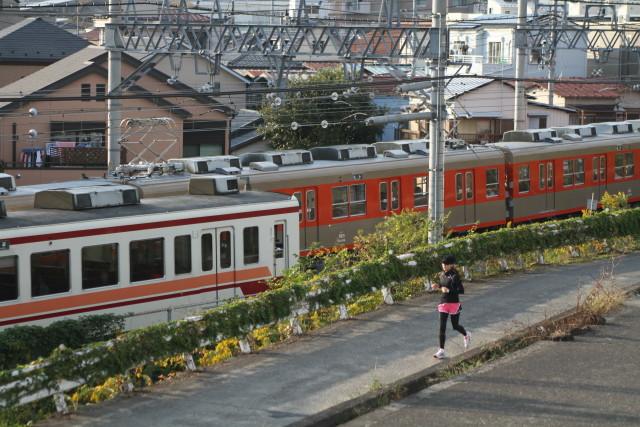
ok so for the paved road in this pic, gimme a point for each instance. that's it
(287, 383)
(592, 381)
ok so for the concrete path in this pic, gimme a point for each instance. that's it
(592, 381)
(282, 385)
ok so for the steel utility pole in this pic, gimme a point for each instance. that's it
(438, 66)
(114, 68)
(520, 108)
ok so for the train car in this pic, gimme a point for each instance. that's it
(560, 171)
(91, 250)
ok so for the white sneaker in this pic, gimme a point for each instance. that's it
(439, 354)
(467, 340)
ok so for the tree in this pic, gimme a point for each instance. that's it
(308, 108)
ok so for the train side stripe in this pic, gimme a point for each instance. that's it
(195, 284)
(147, 226)
(259, 284)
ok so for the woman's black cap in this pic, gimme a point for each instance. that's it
(448, 260)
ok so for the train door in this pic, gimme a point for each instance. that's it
(280, 248)
(469, 198)
(545, 184)
(308, 200)
(599, 176)
(225, 263)
(389, 196)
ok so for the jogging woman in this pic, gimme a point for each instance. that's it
(451, 287)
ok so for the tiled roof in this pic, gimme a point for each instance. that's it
(588, 90)
(36, 40)
(52, 74)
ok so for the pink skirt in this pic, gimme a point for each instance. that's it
(449, 307)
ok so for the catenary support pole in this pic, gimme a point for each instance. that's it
(520, 108)
(114, 69)
(437, 68)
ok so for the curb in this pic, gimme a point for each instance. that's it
(353, 408)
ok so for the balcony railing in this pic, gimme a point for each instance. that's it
(63, 157)
(479, 59)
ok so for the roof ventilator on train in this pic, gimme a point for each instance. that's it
(344, 152)
(213, 185)
(396, 154)
(418, 146)
(577, 132)
(273, 160)
(81, 198)
(532, 135)
(225, 165)
(7, 183)
(616, 128)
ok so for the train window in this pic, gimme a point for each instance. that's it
(278, 243)
(146, 259)
(459, 185)
(624, 165)
(50, 273)
(298, 195)
(492, 182)
(99, 265)
(225, 249)
(311, 205)
(358, 200)
(596, 167)
(9, 278)
(182, 254)
(469, 185)
(567, 172)
(384, 196)
(603, 168)
(541, 177)
(251, 245)
(579, 168)
(206, 243)
(421, 191)
(550, 175)
(395, 195)
(340, 205)
(524, 179)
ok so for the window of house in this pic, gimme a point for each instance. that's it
(395, 195)
(206, 246)
(85, 91)
(421, 191)
(99, 265)
(384, 196)
(146, 259)
(624, 165)
(50, 273)
(495, 53)
(9, 278)
(101, 91)
(251, 245)
(492, 182)
(459, 187)
(524, 179)
(182, 254)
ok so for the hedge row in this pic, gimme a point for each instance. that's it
(239, 317)
(22, 344)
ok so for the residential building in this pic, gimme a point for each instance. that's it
(70, 134)
(480, 110)
(486, 43)
(32, 44)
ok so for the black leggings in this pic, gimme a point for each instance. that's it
(455, 318)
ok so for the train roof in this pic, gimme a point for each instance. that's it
(183, 203)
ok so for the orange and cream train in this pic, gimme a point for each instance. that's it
(100, 249)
